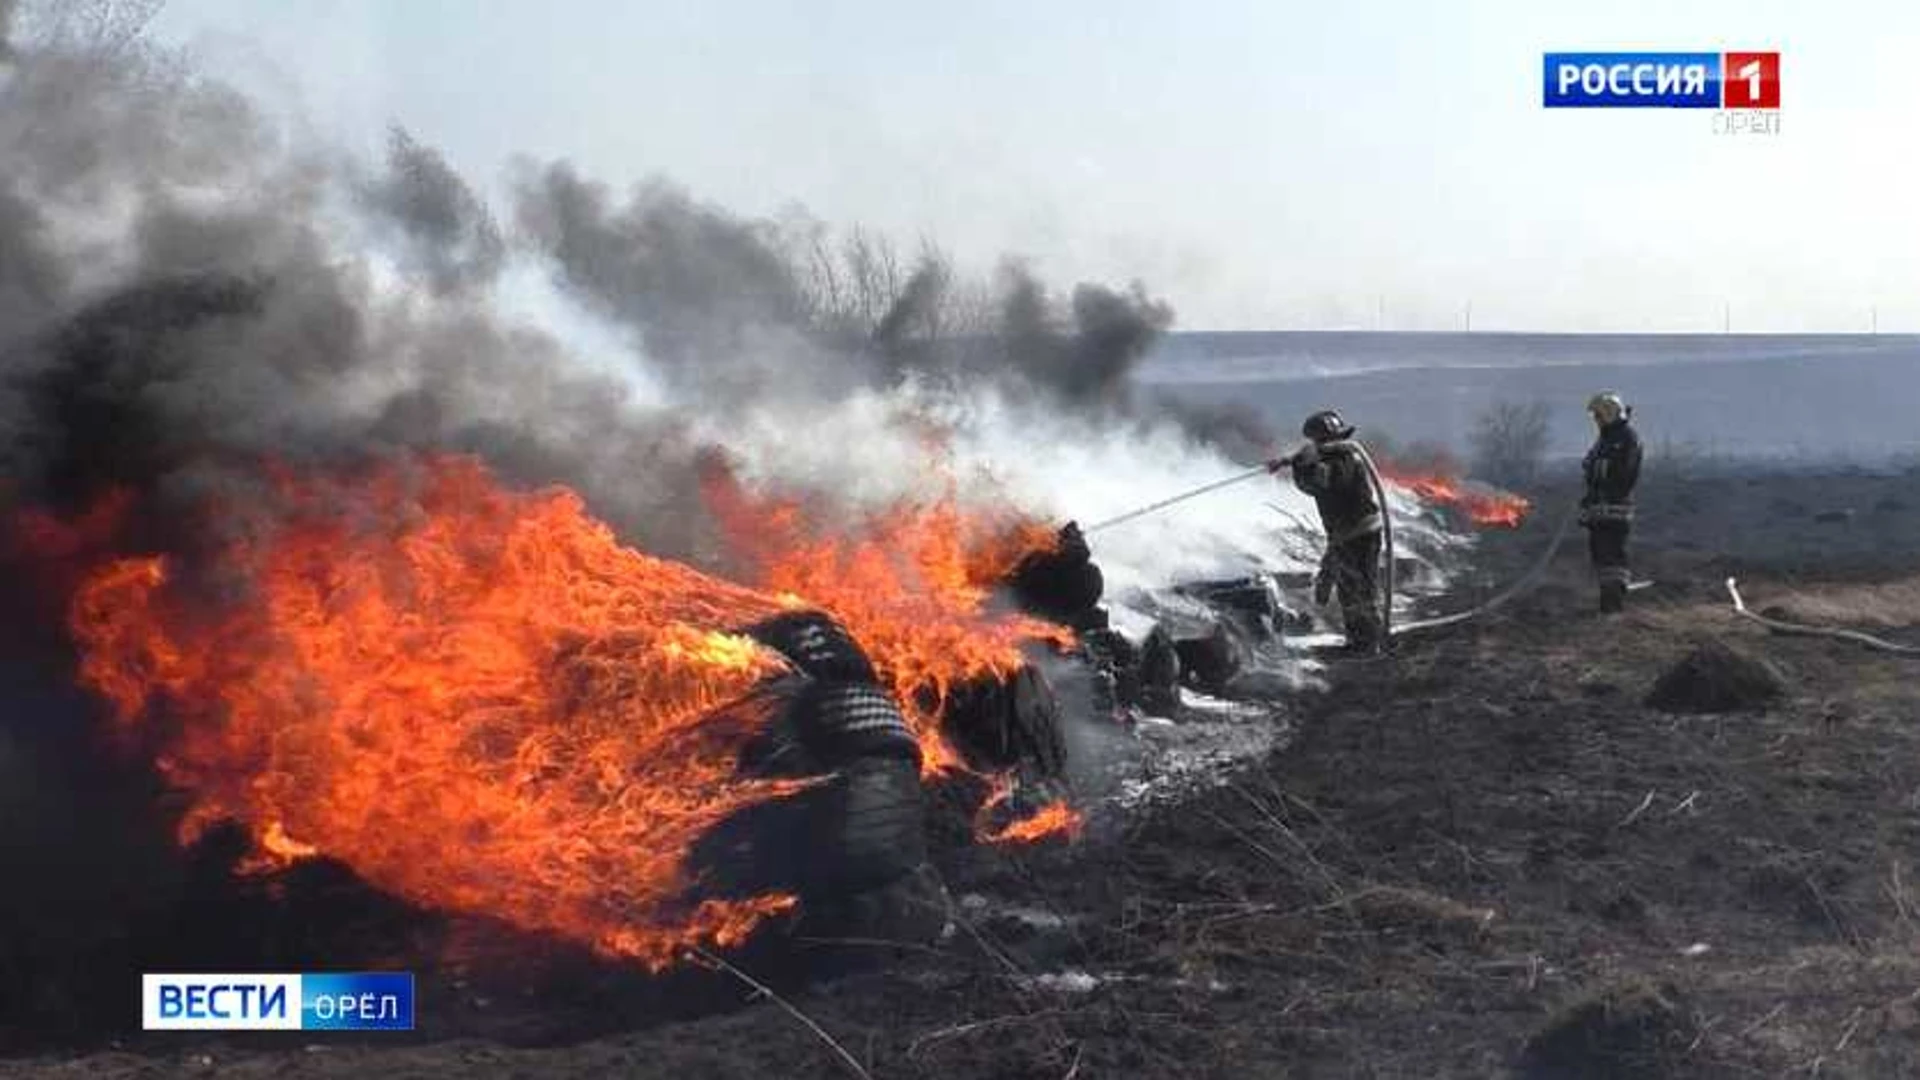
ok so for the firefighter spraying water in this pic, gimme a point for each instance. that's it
(1336, 470)
(1357, 567)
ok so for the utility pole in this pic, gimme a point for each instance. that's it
(1873, 320)
(1726, 317)
(1469, 316)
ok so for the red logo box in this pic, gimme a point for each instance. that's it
(1751, 80)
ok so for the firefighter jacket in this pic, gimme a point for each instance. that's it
(1611, 469)
(1336, 476)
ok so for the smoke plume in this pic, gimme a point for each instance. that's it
(450, 237)
(186, 289)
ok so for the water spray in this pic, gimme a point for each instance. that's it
(1519, 585)
(1385, 599)
(1237, 478)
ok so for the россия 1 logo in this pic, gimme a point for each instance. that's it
(1745, 86)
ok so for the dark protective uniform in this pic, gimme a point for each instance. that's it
(1334, 474)
(1612, 468)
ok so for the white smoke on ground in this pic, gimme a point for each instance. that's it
(876, 447)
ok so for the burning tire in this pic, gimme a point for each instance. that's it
(842, 722)
(818, 647)
(1008, 724)
(865, 826)
(1062, 584)
(875, 826)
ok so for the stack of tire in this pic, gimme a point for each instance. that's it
(861, 834)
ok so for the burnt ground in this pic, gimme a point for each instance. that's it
(1484, 857)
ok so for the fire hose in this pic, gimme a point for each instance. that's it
(1386, 541)
(1514, 589)
(1373, 481)
(1195, 493)
(1784, 627)
(1519, 584)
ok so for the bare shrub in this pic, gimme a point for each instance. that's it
(1509, 443)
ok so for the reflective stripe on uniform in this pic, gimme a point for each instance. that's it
(1610, 512)
(1613, 575)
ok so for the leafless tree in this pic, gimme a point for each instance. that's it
(873, 272)
(1510, 443)
(862, 295)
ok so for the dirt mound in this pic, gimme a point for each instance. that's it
(1633, 1029)
(1716, 677)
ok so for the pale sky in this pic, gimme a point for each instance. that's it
(1261, 164)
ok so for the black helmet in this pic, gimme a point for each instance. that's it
(1326, 426)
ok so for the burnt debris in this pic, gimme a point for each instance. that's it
(1203, 639)
(1717, 677)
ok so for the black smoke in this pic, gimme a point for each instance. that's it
(450, 238)
(1083, 352)
(721, 300)
(694, 281)
(182, 294)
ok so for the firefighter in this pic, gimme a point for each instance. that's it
(1611, 469)
(1332, 469)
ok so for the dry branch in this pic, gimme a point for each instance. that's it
(763, 990)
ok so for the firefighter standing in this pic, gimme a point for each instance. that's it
(1611, 469)
(1332, 469)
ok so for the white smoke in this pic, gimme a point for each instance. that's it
(877, 447)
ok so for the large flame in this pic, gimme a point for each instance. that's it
(479, 700)
(911, 584)
(476, 698)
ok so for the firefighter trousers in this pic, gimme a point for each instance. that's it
(1607, 543)
(1355, 568)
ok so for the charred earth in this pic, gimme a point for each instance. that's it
(1488, 857)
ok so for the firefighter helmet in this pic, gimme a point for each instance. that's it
(1326, 426)
(1607, 407)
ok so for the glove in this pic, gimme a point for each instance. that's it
(1274, 465)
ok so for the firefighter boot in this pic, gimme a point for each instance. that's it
(1613, 597)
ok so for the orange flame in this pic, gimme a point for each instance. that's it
(911, 584)
(1482, 505)
(480, 701)
(477, 699)
(1055, 818)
